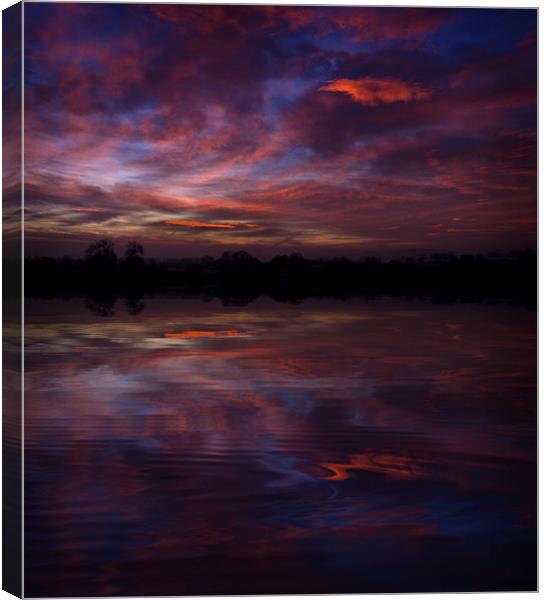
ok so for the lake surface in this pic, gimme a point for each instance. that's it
(180, 446)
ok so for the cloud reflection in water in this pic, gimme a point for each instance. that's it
(332, 446)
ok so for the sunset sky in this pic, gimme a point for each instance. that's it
(325, 130)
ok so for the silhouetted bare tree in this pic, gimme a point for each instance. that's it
(134, 256)
(101, 257)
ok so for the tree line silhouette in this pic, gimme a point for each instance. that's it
(291, 276)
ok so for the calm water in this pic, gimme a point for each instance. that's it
(331, 446)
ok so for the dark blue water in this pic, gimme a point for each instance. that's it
(185, 447)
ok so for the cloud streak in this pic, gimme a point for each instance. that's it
(372, 91)
(199, 224)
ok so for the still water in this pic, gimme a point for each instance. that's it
(181, 446)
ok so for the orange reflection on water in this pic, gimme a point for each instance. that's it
(191, 335)
(389, 464)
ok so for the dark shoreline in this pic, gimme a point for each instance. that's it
(241, 277)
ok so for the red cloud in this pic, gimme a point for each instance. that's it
(191, 224)
(372, 91)
(363, 24)
(200, 224)
(385, 24)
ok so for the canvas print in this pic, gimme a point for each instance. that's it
(279, 326)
